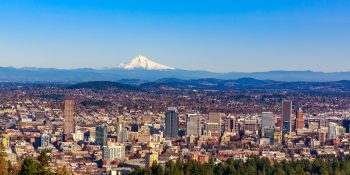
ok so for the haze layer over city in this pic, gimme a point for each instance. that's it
(174, 87)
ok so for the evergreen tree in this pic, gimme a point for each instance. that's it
(43, 160)
(219, 169)
(29, 167)
(253, 166)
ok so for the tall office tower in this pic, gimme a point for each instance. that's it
(193, 125)
(101, 135)
(267, 120)
(299, 121)
(215, 117)
(230, 124)
(171, 122)
(286, 116)
(346, 125)
(68, 127)
(286, 127)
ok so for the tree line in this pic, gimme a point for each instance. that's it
(253, 166)
(29, 166)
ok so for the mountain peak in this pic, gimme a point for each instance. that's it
(140, 59)
(143, 63)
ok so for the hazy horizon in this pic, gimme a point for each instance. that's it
(220, 36)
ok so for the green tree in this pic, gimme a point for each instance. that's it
(219, 169)
(29, 167)
(43, 160)
(253, 166)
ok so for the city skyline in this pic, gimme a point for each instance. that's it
(220, 37)
(114, 130)
(175, 87)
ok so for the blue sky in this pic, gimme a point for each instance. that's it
(221, 36)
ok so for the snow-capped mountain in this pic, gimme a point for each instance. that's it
(143, 63)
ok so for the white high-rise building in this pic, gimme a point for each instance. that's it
(193, 125)
(332, 130)
(113, 152)
(267, 120)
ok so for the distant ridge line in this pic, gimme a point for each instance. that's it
(10, 74)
